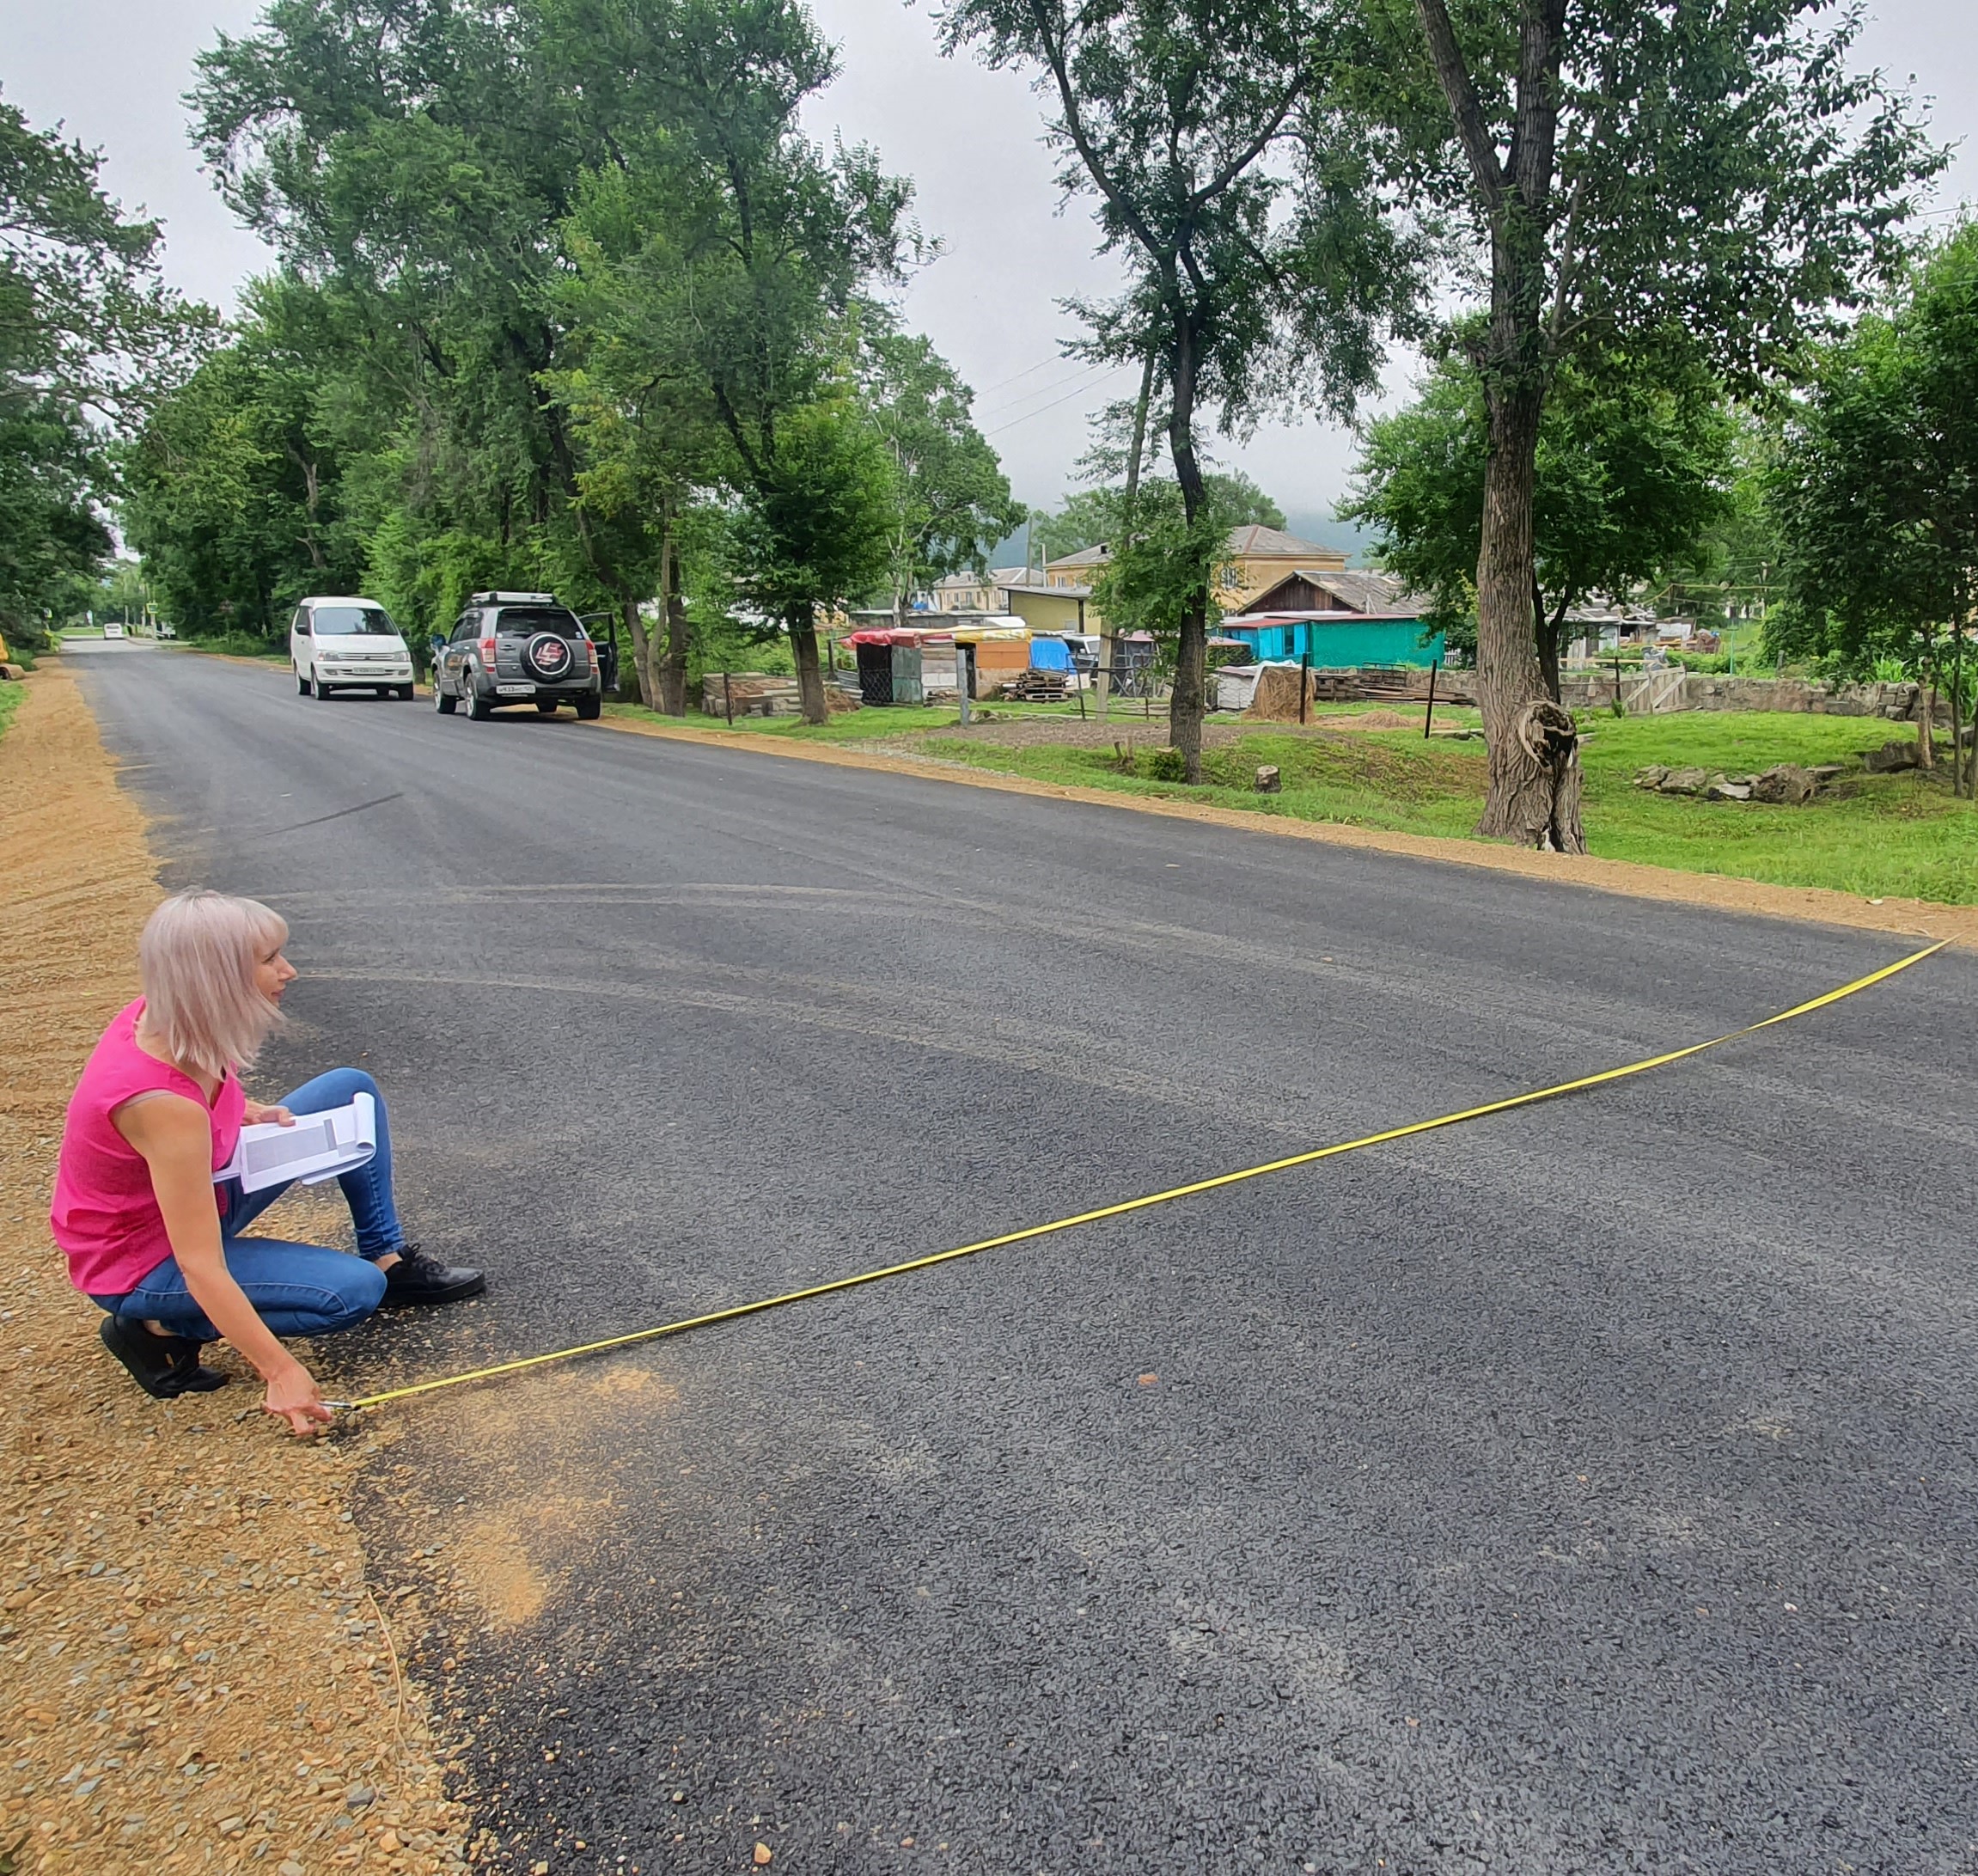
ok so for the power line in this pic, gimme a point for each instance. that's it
(1110, 370)
(1083, 371)
(1027, 371)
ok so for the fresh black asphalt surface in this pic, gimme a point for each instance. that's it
(1584, 1489)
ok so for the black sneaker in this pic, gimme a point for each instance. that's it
(165, 1367)
(418, 1278)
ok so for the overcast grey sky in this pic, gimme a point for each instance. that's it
(114, 71)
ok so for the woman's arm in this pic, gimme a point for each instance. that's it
(175, 1139)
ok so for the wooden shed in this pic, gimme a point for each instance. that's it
(994, 656)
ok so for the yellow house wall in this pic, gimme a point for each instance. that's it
(1244, 579)
(1051, 612)
(1252, 575)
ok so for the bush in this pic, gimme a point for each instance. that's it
(1164, 765)
(238, 645)
(24, 635)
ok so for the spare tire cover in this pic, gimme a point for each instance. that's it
(546, 657)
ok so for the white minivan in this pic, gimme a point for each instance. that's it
(340, 644)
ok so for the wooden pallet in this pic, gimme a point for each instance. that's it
(1037, 687)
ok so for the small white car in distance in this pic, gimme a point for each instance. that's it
(345, 643)
(113, 629)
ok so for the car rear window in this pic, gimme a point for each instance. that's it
(339, 622)
(534, 619)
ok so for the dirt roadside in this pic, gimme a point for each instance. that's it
(1906, 917)
(194, 1672)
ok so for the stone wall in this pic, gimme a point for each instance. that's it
(1896, 703)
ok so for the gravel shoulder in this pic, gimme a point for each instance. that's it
(195, 1673)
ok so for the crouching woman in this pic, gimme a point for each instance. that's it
(153, 1238)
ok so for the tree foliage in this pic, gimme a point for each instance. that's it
(950, 501)
(1633, 471)
(1094, 515)
(1261, 269)
(88, 332)
(1632, 174)
(583, 307)
(1875, 490)
(235, 495)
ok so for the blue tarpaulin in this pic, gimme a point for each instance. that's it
(1050, 655)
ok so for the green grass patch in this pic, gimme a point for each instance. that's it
(239, 645)
(1364, 779)
(1877, 836)
(10, 696)
(887, 722)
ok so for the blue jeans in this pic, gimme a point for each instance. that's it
(296, 1289)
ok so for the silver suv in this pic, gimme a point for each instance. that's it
(517, 648)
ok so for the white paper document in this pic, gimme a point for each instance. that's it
(317, 1147)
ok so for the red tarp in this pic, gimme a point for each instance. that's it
(877, 635)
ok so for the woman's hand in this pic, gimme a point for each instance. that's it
(293, 1396)
(253, 1114)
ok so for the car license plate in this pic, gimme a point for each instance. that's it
(515, 690)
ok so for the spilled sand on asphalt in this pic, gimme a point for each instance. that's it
(193, 1673)
(534, 1503)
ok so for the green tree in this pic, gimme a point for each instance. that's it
(88, 334)
(1094, 515)
(1876, 488)
(1628, 169)
(816, 524)
(951, 501)
(1727, 575)
(1630, 470)
(1261, 269)
(576, 278)
(233, 495)
(414, 164)
(730, 257)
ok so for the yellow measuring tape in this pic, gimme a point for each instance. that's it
(1126, 1206)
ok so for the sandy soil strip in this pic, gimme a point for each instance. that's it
(1908, 918)
(194, 1674)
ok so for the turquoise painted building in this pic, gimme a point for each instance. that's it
(1340, 642)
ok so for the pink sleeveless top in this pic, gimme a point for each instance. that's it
(105, 1216)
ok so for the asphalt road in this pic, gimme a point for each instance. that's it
(1586, 1489)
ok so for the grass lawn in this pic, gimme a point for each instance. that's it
(885, 724)
(239, 645)
(1877, 836)
(10, 696)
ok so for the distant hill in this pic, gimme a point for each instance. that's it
(1347, 537)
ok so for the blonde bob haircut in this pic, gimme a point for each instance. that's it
(196, 958)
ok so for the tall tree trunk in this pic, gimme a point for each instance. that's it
(802, 621)
(1533, 753)
(641, 651)
(1185, 706)
(1545, 635)
(1959, 769)
(672, 662)
(1535, 774)
(1927, 705)
(1109, 643)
